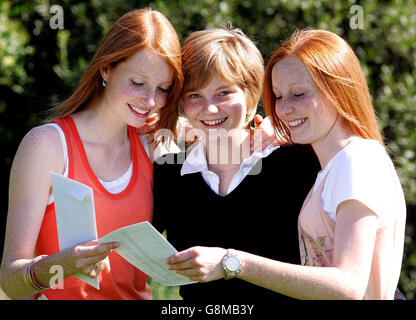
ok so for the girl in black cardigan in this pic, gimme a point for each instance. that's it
(219, 194)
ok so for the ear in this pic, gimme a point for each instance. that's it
(104, 71)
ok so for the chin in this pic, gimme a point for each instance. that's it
(137, 123)
(300, 140)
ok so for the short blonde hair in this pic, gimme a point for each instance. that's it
(230, 54)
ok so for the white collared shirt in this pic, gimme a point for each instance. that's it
(196, 162)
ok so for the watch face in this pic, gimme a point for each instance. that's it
(232, 263)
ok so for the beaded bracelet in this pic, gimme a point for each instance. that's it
(29, 275)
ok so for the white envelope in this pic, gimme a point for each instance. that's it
(75, 216)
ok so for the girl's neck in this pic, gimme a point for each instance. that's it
(101, 126)
(326, 148)
(225, 152)
(105, 140)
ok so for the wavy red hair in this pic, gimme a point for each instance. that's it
(337, 73)
(135, 30)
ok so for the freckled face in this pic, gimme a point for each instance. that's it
(220, 105)
(137, 87)
(300, 104)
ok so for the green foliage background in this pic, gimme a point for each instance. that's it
(40, 66)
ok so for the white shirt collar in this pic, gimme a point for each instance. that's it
(196, 160)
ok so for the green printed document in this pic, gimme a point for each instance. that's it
(140, 244)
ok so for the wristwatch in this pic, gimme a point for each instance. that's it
(231, 264)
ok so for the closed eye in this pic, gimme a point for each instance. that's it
(163, 90)
(299, 94)
(136, 84)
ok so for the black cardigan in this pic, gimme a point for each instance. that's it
(259, 216)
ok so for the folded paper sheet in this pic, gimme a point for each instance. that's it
(75, 216)
(140, 244)
(145, 248)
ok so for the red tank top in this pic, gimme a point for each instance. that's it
(134, 204)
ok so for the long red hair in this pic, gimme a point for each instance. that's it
(135, 30)
(338, 74)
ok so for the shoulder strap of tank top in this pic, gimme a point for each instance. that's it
(63, 123)
(142, 154)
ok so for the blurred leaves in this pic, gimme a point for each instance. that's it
(40, 66)
(14, 49)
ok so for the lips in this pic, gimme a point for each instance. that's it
(296, 123)
(213, 123)
(139, 111)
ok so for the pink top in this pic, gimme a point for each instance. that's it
(361, 171)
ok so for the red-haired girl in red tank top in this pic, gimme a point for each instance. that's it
(134, 75)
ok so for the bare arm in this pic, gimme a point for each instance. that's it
(354, 244)
(39, 152)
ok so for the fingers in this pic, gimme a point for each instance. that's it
(187, 264)
(193, 135)
(256, 145)
(88, 257)
(93, 248)
(198, 263)
(269, 141)
(258, 119)
(193, 274)
(186, 260)
(150, 138)
(262, 142)
(92, 266)
(190, 268)
(266, 127)
(256, 137)
(149, 124)
(182, 256)
(153, 118)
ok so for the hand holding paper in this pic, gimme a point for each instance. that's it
(75, 217)
(140, 244)
(144, 247)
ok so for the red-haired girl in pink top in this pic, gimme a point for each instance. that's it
(352, 223)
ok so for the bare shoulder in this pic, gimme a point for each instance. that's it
(41, 144)
(42, 135)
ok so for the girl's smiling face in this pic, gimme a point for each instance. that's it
(300, 104)
(219, 105)
(137, 87)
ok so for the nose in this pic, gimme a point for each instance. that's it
(283, 106)
(211, 108)
(149, 99)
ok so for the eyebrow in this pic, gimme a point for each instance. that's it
(169, 82)
(227, 86)
(290, 85)
(224, 87)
